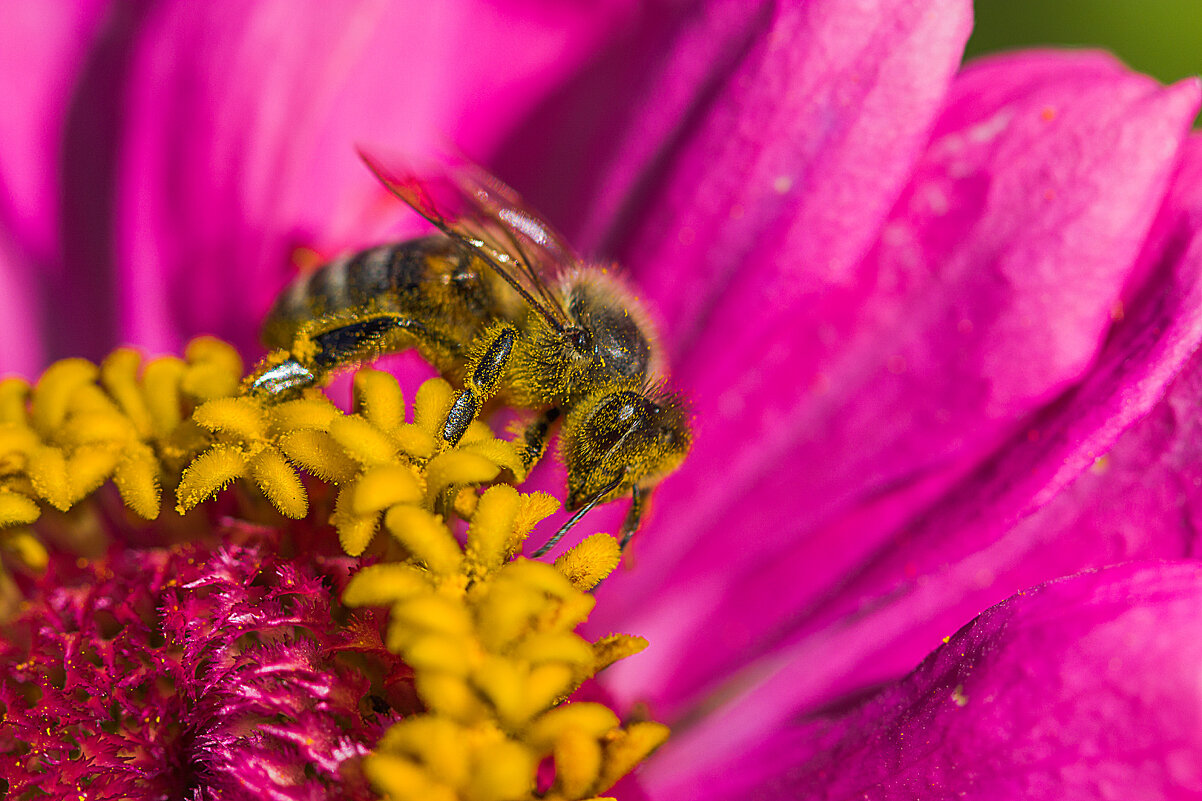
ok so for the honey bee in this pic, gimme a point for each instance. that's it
(501, 305)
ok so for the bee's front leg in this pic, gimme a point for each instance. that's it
(486, 367)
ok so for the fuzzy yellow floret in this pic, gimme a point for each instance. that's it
(280, 483)
(425, 536)
(591, 561)
(211, 472)
(378, 397)
(17, 509)
(490, 636)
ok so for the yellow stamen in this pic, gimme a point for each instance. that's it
(210, 473)
(17, 510)
(490, 636)
(591, 561)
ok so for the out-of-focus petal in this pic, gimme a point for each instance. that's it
(1007, 244)
(42, 48)
(1087, 687)
(206, 144)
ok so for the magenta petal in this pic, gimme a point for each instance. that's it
(1083, 688)
(242, 150)
(42, 47)
(206, 142)
(1017, 520)
(1045, 213)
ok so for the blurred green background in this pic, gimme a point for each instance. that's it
(1160, 37)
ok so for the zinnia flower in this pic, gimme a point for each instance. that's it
(938, 327)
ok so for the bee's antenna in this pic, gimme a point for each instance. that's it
(574, 519)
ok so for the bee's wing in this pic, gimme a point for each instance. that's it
(474, 208)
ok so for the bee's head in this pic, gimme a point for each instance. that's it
(622, 437)
(611, 333)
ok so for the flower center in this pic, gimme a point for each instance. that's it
(487, 636)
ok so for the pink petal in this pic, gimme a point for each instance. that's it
(1083, 688)
(1034, 220)
(42, 47)
(243, 151)
(205, 144)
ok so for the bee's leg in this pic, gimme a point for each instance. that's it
(533, 440)
(634, 515)
(322, 349)
(483, 378)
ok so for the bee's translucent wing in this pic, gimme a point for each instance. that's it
(467, 204)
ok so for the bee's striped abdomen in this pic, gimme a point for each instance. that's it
(394, 275)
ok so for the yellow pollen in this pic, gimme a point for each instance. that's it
(490, 636)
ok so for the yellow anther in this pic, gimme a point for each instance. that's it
(53, 392)
(119, 375)
(573, 611)
(489, 638)
(548, 683)
(431, 405)
(456, 468)
(403, 780)
(454, 656)
(27, 548)
(137, 479)
(492, 527)
(439, 744)
(88, 468)
(208, 380)
(363, 442)
(378, 398)
(244, 418)
(425, 536)
(591, 561)
(415, 441)
(627, 748)
(354, 533)
(385, 583)
(318, 454)
(17, 509)
(210, 472)
(47, 471)
(503, 770)
(577, 763)
(505, 612)
(302, 415)
(555, 647)
(280, 483)
(540, 576)
(211, 350)
(536, 506)
(503, 682)
(16, 443)
(477, 431)
(616, 647)
(467, 500)
(431, 614)
(499, 452)
(451, 696)
(14, 392)
(382, 486)
(89, 398)
(592, 719)
(161, 387)
(96, 426)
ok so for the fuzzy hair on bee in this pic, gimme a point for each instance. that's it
(503, 307)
